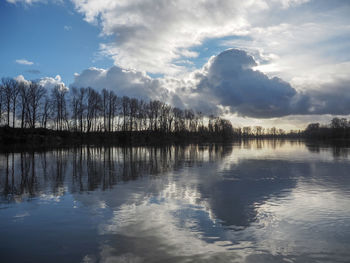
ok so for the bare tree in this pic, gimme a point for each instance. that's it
(14, 95)
(247, 131)
(134, 105)
(81, 107)
(179, 124)
(74, 103)
(59, 103)
(258, 130)
(1, 100)
(112, 108)
(46, 112)
(36, 93)
(98, 111)
(8, 85)
(154, 111)
(105, 108)
(93, 109)
(23, 97)
(125, 111)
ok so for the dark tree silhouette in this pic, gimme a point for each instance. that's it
(86, 110)
(36, 93)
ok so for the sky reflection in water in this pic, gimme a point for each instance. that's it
(254, 201)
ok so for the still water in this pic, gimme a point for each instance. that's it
(253, 201)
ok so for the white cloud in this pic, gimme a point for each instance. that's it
(307, 47)
(47, 82)
(21, 79)
(24, 62)
(123, 82)
(50, 83)
(295, 49)
(299, 47)
(226, 81)
(229, 85)
(151, 35)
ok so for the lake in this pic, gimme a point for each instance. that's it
(249, 201)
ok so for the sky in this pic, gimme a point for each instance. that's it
(278, 63)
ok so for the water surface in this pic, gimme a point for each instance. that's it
(252, 201)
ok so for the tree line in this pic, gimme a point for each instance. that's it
(338, 128)
(86, 110)
(30, 105)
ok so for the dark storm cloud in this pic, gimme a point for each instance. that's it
(230, 79)
(227, 83)
(332, 99)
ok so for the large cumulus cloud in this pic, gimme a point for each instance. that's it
(152, 35)
(231, 80)
(228, 83)
(48, 83)
(123, 82)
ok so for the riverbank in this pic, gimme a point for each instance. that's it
(41, 138)
(46, 137)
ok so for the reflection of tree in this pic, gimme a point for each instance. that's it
(259, 143)
(340, 150)
(83, 169)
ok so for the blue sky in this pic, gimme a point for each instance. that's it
(56, 40)
(167, 50)
(52, 36)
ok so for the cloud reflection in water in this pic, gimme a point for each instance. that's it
(256, 201)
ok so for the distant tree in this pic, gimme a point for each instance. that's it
(1, 100)
(225, 127)
(153, 114)
(258, 131)
(273, 131)
(133, 107)
(178, 120)
(23, 100)
(247, 131)
(125, 111)
(46, 111)
(106, 112)
(82, 106)
(94, 105)
(109, 109)
(8, 89)
(105, 108)
(200, 118)
(36, 93)
(74, 104)
(165, 117)
(336, 123)
(312, 127)
(59, 104)
(14, 95)
(189, 119)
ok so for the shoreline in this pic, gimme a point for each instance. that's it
(45, 139)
